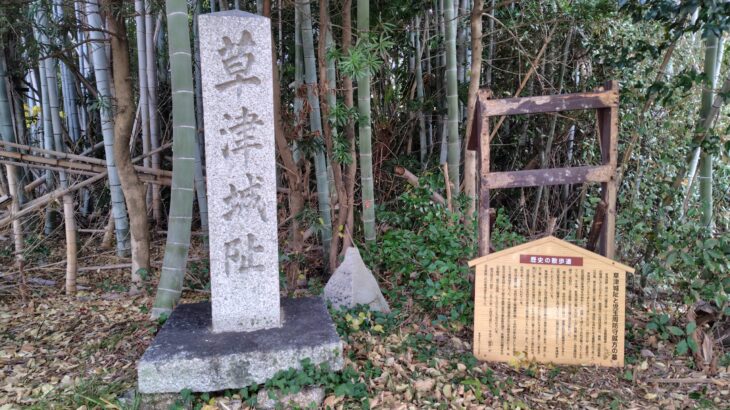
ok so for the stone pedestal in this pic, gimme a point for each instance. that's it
(246, 333)
(186, 354)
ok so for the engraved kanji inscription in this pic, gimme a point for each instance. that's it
(243, 128)
(237, 59)
(250, 197)
(240, 255)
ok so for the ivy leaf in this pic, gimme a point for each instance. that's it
(628, 375)
(675, 331)
(692, 345)
(691, 327)
(682, 347)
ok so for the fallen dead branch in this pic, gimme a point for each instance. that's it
(413, 180)
(691, 380)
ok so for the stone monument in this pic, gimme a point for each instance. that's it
(246, 333)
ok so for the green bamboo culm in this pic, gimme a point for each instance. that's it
(6, 120)
(423, 144)
(712, 45)
(452, 96)
(183, 160)
(315, 119)
(364, 130)
(8, 135)
(103, 85)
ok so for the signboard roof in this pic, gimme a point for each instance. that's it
(557, 244)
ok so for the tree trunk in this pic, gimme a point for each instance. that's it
(490, 51)
(329, 99)
(200, 188)
(134, 191)
(183, 149)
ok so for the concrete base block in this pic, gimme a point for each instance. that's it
(187, 354)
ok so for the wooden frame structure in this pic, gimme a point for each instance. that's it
(604, 101)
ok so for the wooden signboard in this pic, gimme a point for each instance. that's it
(552, 302)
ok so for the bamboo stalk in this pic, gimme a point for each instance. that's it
(105, 87)
(183, 124)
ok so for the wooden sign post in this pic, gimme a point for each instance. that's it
(604, 101)
(549, 301)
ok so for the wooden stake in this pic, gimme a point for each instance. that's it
(447, 183)
(595, 232)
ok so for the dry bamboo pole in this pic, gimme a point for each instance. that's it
(54, 195)
(72, 157)
(45, 199)
(47, 167)
(447, 183)
(148, 179)
(64, 165)
(35, 184)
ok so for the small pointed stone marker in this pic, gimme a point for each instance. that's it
(353, 284)
(246, 333)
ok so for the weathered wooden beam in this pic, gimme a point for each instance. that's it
(608, 129)
(554, 176)
(551, 103)
(483, 154)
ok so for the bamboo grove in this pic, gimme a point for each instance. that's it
(372, 96)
